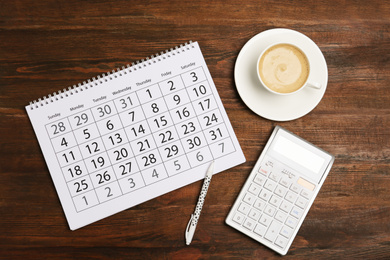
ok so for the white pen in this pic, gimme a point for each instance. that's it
(191, 226)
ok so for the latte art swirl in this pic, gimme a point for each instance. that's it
(284, 68)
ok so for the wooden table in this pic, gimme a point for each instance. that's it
(48, 45)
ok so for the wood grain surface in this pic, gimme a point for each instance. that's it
(49, 45)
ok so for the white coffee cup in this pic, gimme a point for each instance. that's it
(284, 69)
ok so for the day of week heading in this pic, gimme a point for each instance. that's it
(99, 99)
(54, 116)
(76, 107)
(166, 73)
(188, 65)
(143, 82)
(121, 90)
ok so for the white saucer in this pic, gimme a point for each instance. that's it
(265, 103)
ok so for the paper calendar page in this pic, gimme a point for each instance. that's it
(126, 137)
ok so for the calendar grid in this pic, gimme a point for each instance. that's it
(111, 118)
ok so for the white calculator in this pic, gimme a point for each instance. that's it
(280, 190)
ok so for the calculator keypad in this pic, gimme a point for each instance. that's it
(272, 205)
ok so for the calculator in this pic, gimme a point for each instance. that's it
(280, 190)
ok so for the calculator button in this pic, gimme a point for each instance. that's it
(270, 185)
(249, 198)
(254, 189)
(285, 206)
(272, 231)
(259, 179)
(254, 214)
(243, 208)
(281, 241)
(305, 193)
(295, 188)
(270, 211)
(265, 220)
(280, 190)
(238, 218)
(301, 202)
(291, 197)
(275, 176)
(291, 222)
(259, 204)
(249, 224)
(265, 195)
(285, 182)
(275, 200)
(280, 216)
(296, 212)
(265, 170)
(286, 232)
(260, 229)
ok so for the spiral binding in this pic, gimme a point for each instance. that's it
(110, 75)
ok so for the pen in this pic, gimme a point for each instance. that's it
(191, 226)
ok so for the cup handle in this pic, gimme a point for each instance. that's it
(315, 85)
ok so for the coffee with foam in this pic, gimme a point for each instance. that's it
(284, 68)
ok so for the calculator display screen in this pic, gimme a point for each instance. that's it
(298, 154)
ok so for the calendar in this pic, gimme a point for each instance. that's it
(133, 134)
